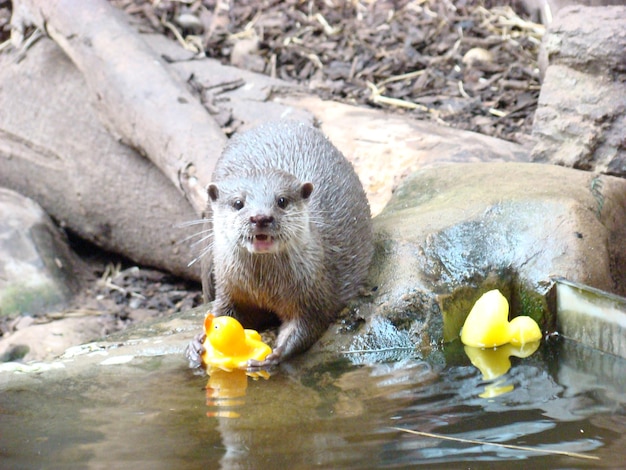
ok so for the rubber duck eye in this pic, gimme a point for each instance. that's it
(282, 202)
(238, 204)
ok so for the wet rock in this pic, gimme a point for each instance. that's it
(38, 271)
(46, 341)
(384, 148)
(580, 120)
(453, 232)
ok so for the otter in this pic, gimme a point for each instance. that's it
(291, 235)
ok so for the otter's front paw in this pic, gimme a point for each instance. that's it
(270, 361)
(194, 351)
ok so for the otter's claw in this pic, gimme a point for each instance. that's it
(194, 351)
(270, 361)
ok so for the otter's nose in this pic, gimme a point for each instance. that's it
(261, 221)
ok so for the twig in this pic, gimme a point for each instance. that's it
(497, 112)
(462, 90)
(379, 350)
(82, 312)
(108, 283)
(397, 78)
(189, 44)
(328, 29)
(5, 45)
(507, 446)
(380, 99)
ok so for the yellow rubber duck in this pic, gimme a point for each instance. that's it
(228, 346)
(487, 324)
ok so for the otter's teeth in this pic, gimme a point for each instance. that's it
(262, 243)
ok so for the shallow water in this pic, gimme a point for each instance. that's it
(154, 413)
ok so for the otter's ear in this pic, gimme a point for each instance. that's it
(214, 193)
(305, 190)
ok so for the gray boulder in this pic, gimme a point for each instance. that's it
(453, 232)
(38, 271)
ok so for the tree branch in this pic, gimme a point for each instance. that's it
(139, 101)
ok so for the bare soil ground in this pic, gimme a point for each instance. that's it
(467, 64)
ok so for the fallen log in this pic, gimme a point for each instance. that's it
(54, 149)
(138, 99)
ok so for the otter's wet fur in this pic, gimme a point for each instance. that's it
(287, 183)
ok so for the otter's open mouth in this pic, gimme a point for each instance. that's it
(262, 243)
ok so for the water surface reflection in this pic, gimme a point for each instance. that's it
(155, 413)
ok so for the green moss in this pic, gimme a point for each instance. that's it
(533, 304)
(18, 299)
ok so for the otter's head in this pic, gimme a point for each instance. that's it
(261, 212)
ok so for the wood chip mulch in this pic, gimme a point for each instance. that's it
(467, 64)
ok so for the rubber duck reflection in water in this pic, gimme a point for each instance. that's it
(490, 339)
(496, 362)
(226, 391)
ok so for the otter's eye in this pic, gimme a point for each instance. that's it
(282, 202)
(238, 204)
